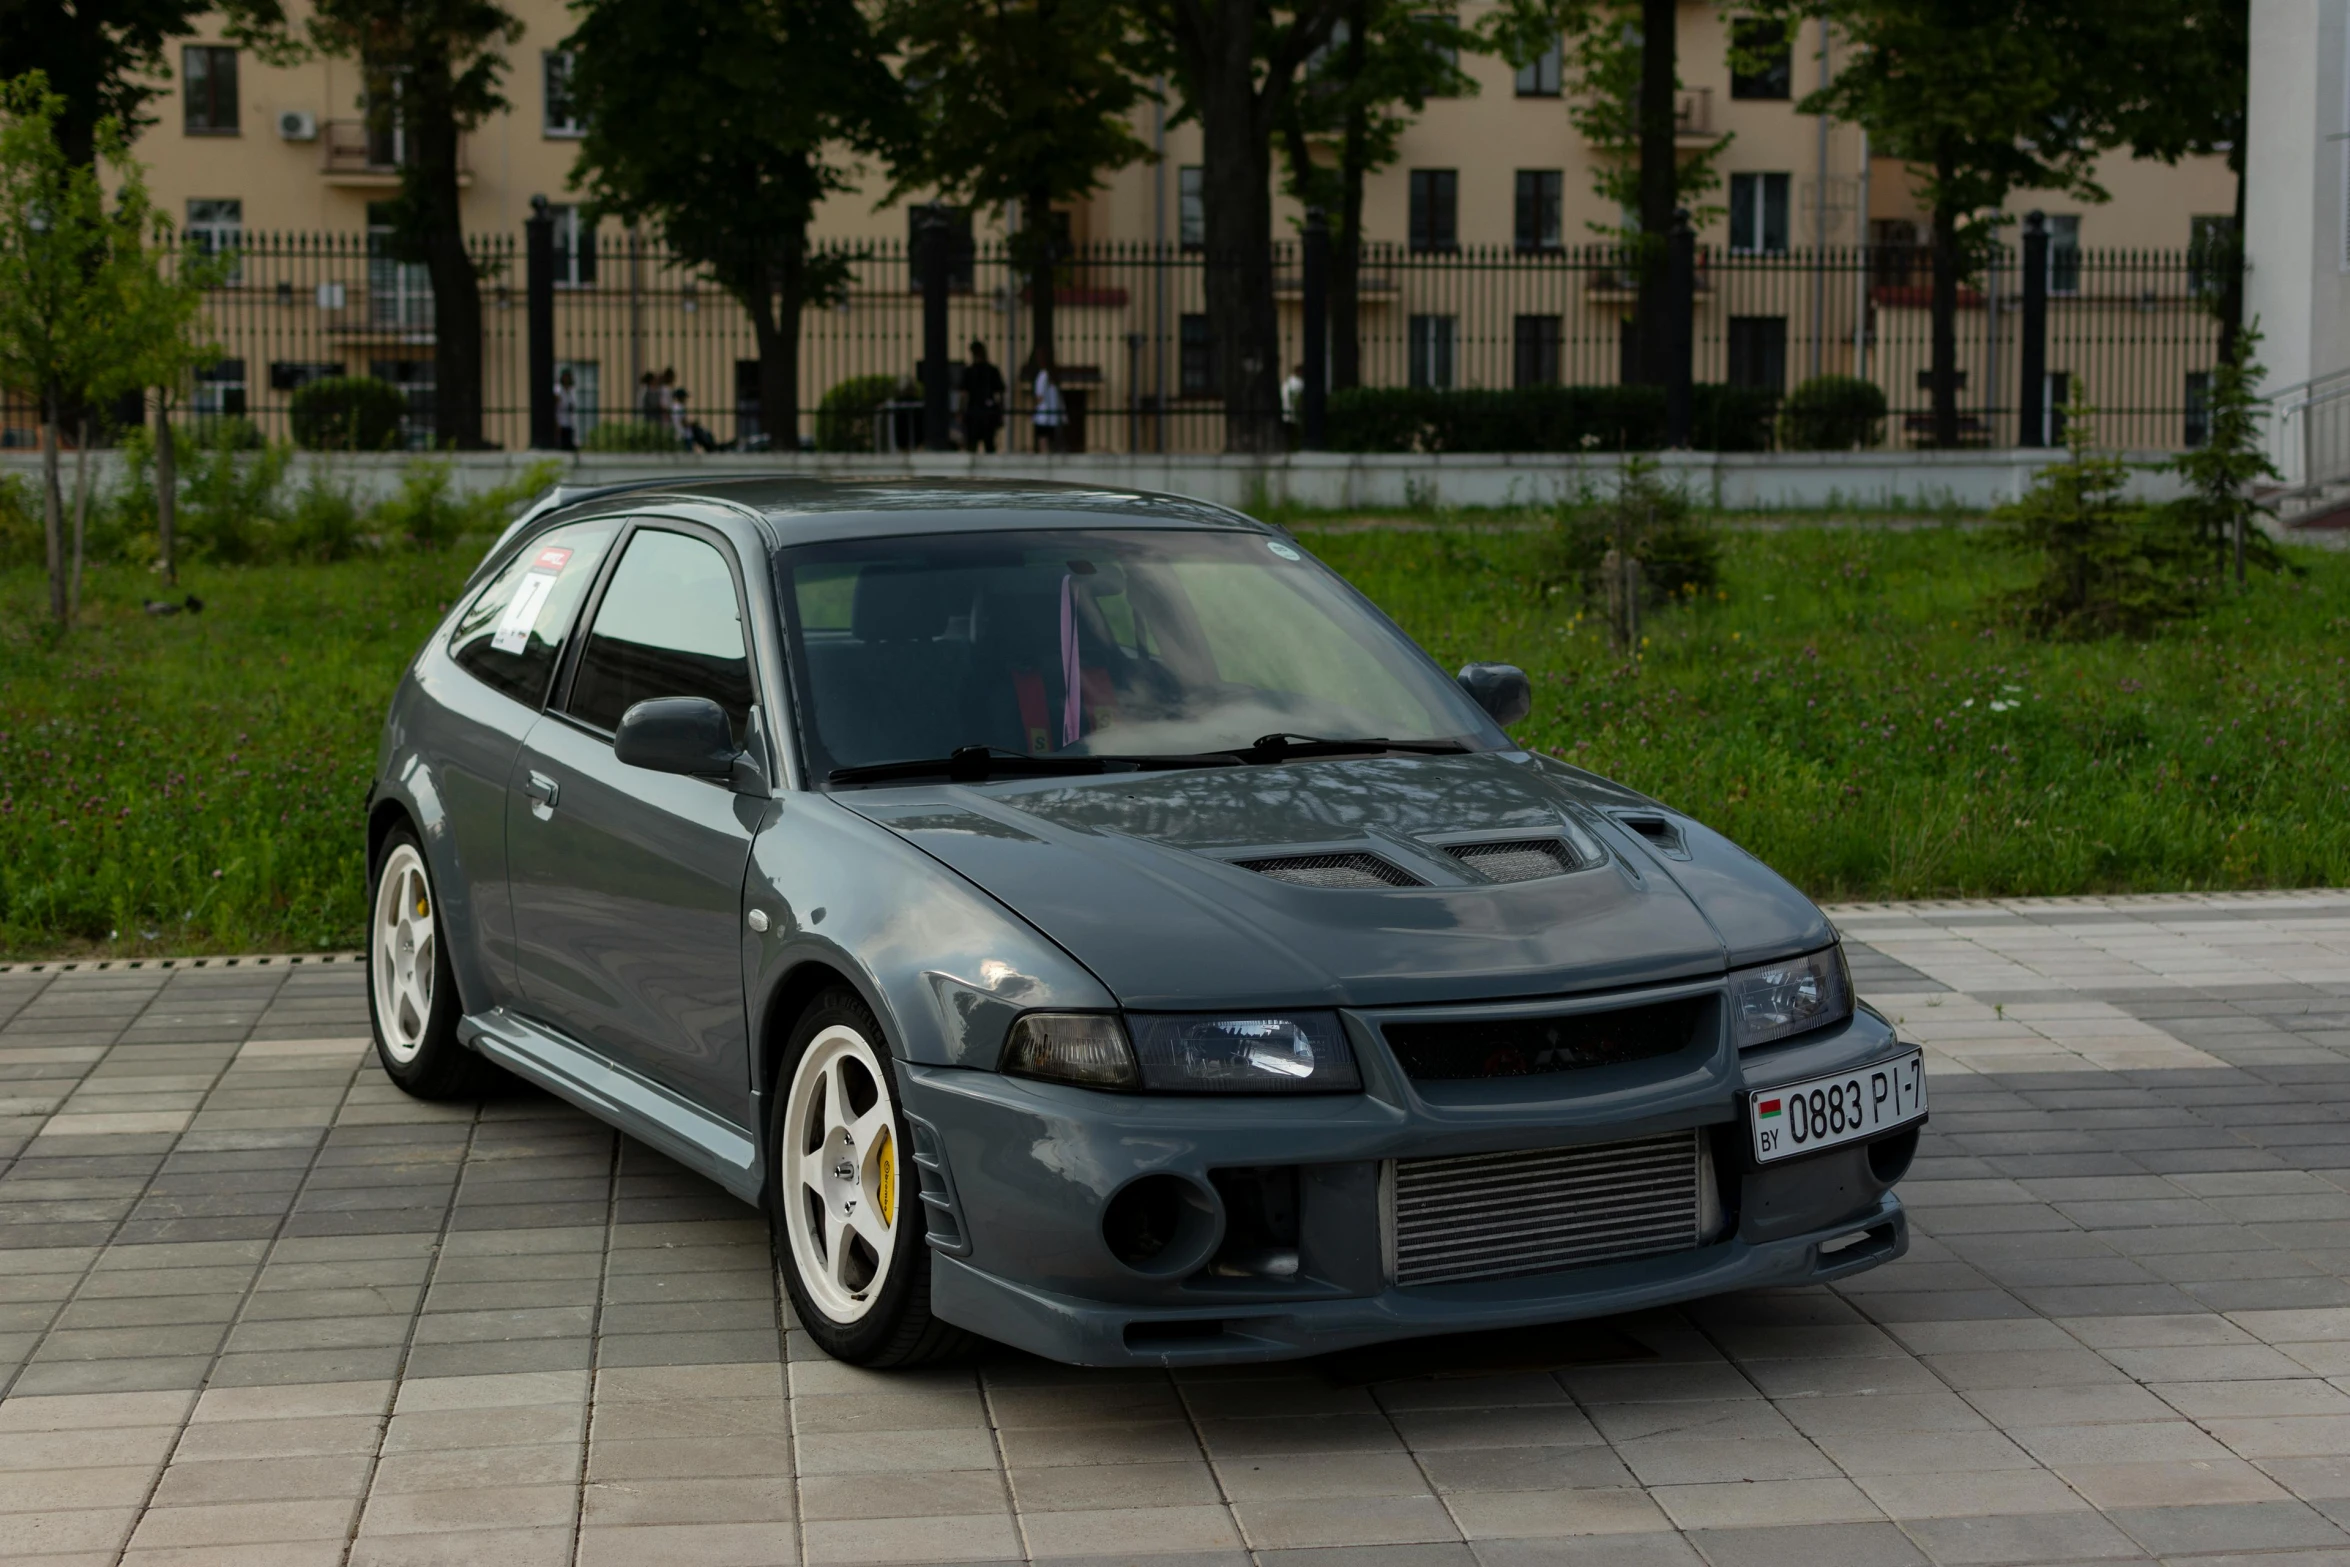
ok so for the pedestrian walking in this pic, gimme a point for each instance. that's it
(566, 413)
(1051, 413)
(688, 432)
(1293, 391)
(652, 404)
(983, 400)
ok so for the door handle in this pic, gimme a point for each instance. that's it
(543, 792)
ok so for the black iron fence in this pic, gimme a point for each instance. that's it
(2129, 331)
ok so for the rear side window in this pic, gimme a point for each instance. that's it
(511, 636)
(669, 625)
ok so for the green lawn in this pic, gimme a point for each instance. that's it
(192, 783)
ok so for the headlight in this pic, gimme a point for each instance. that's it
(1283, 1053)
(1085, 1048)
(1793, 996)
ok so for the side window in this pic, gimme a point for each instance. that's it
(669, 625)
(512, 634)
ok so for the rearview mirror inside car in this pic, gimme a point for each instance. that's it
(682, 734)
(1501, 689)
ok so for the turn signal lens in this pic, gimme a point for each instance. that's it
(1288, 1053)
(1085, 1048)
(1780, 1000)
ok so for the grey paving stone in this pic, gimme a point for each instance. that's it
(2023, 1542)
(1809, 1545)
(2262, 1526)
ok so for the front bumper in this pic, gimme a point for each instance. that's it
(1019, 1178)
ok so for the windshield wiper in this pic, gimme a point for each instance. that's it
(978, 763)
(1282, 746)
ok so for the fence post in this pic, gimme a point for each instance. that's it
(538, 289)
(1315, 291)
(2032, 351)
(1680, 326)
(932, 257)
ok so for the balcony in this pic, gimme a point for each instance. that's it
(1693, 118)
(368, 155)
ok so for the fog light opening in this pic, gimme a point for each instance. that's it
(1160, 1225)
(1842, 1244)
(1889, 1157)
(1260, 1222)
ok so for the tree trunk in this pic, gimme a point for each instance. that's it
(1658, 184)
(53, 510)
(167, 485)
(2231, 286)
(1236, 197)
(81, 517)
(1944, 374)
(429, 186)
(1346, 256)
(1040, 247)
(773, 295)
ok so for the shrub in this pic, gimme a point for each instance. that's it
(1679, 552)
(844, 419)
(223, 432)
(326, 520)
(348, 413)
(229, 497)
(23, 540)
(630, 435)
(1543, 419)
(1832, 413)
(430, 514)
(2106, 566)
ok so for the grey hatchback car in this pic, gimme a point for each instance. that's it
(1080, 919)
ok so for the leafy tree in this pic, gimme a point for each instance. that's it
(165, 343)
(730, 172)
(1019, 104)
(2219, 506)
(1982, 98)
(74, 302)
(108, 59)
(2105, 565)
(1384, 61)
(1237, 63)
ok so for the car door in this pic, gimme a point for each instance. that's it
(505, 648)
(627, 885)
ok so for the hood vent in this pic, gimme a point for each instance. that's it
(1661, 832)
(1516, 859)
(1356, 870)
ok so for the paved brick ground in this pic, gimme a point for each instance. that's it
(256, 1308)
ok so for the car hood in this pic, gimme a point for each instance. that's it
(1134, 875)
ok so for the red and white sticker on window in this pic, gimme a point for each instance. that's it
(514, 627)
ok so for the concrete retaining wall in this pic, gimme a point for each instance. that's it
(1745, 481)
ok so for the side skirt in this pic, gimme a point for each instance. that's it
(643, 1109)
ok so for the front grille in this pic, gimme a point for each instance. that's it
(1515, 859)
(1490, 1216)
(1458, 1049)
(1333, 870)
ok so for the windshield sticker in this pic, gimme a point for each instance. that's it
(1282, 550)
(514, 627)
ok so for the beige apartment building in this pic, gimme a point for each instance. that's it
(1477, 278)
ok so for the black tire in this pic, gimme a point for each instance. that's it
(892, 1323)
(413, 1006)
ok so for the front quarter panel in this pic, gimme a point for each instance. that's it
(945, 967)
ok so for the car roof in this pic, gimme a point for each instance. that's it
(804, 509)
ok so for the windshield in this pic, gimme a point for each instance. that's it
(1121, 643)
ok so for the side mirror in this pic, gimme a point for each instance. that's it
(1501, 689)
(681, 734)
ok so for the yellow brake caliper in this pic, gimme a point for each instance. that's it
(885, 1179)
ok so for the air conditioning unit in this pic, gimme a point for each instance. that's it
(297, 125)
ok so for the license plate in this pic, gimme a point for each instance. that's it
(1823, 1112)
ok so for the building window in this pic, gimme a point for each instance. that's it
(2211, 253)
(1758, 213)
(1539, 78)
(1432, 340)
(2198, 428)
(1541, 200)
(1765, 47)
(962, 249)
(291, 375)
(220, 390)
(414, 379)
(216, 227)
(1537, 354)
(562, 114)
(399, 293)
(575, 248)
(1758, 352)
(208, 76)
(2064, 254)
(1448, 53)
(1191, 211)
(1435, 218)
(1196, 375)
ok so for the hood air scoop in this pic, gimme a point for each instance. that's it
(1516, 859)
(1353, 870)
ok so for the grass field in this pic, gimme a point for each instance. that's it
(193, 783)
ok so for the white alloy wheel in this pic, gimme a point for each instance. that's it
(400, 952)
(838, 1172)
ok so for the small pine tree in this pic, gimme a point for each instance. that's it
(1645, 520)
(2218, 507)
(2107, 566)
